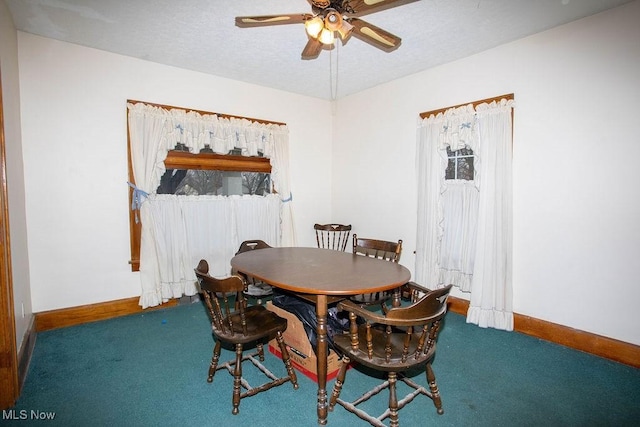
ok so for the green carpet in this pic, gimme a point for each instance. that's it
(150, 370)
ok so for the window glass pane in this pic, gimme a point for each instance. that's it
(256, 183)
(450, 173)
(465, 168)
(213, 182)
(466, 151)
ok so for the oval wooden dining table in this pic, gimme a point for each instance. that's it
(323, 275)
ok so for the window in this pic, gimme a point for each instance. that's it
(460, 165)
(191, 182)
(250, 172)
(206, 177)
(177, 232)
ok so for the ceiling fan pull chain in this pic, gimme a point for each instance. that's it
(334, 88)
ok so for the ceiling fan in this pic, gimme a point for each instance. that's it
(329, 17)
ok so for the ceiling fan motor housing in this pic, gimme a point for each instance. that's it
(322, 4)
(332, 20)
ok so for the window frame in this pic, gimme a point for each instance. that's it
(185, 160)
(455, 156)
(210, 161)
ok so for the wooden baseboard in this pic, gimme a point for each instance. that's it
(47, 320)
(26, 351)
(609, 348)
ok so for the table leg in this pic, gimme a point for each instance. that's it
(322, 355)
(396, 299)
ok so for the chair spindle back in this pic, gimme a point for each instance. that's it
(224, 300)
(332, 236)
(381, 249)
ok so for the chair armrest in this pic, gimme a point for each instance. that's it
(417, 287)
(411, 291)
(352, 307)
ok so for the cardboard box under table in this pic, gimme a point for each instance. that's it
(303, 358)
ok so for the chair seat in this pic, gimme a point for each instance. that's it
(379, 359)
(258, 289)
(260, 322)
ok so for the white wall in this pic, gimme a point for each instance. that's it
(15, 175)
(576, 154)
(75, 154)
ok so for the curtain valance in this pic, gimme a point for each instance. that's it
(221, 134)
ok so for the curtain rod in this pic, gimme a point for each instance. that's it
(474, 103)
(226, 116)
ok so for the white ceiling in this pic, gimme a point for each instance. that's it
(200, 35)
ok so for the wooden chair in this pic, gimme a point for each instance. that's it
(332, 236)
(384, 250)
(255, 288)
(402, 339)
(237, 324)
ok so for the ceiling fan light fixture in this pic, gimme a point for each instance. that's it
(332, 20)
(345, 30)
(314, 26)
(326, 36)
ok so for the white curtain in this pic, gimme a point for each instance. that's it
(430, 165)
(491, 289)
(282, 184)
(179, 230)
(187, 229)
(464, 227)
(447, 209)
(459, 228)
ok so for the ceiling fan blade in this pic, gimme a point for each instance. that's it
(312, 49)
(365, 7)
(375, 36)
(262, 21)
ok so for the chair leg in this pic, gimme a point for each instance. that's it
(287, 360)
(214, 361)
(337, 387)
(260, 348)
(435, 393)
(393, 400)
(237, 380)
